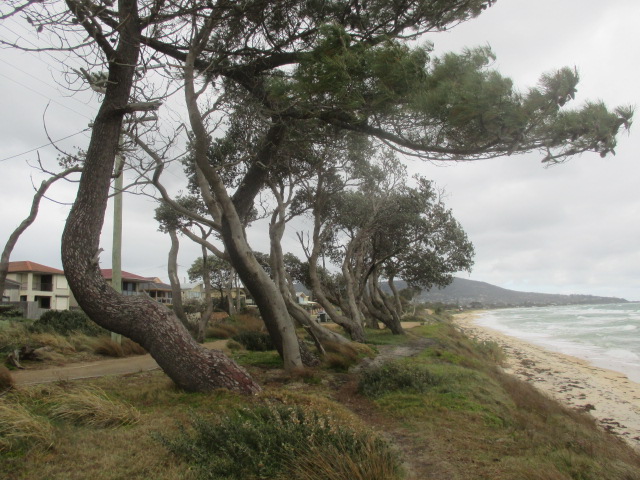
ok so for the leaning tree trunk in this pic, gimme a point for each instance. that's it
(174, 280)
(33, 213)
(353, 328)
(205, 315)
(319, 333)
(152, 325)
(265, 293)
(396, 295)
(380, 308)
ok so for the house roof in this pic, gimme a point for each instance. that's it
(149, 285)
(27, 266)
(107, 273)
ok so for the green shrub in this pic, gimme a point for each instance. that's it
(268, 441)
(340, 356)
(9, 311)
(67, 321)
(491, 350)
(233, 345)
(254, 341)
(394, 377)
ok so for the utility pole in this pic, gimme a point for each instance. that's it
(116, 250)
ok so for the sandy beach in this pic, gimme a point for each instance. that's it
(608, 396)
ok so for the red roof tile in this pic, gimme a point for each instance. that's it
(27, 266)
(108, 274)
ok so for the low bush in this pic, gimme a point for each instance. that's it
(9, 311)
(340, 356)
(395, 376)
(221, 330)
(65, 322)
(254, 341)
(491, 350)
(233, 345)
(278, 441)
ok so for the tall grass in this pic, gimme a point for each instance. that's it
(91, 406)
(105, 346)
(19, 428)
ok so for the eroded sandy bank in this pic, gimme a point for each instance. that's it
(609, 396)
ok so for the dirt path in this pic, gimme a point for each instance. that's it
(415, 463)
(100, 368)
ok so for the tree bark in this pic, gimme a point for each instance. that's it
(396, 295)
(152, 325)
(174, 280)
(205, 316)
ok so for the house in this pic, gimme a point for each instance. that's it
(194, 291)
(133, 284)
(44, 286)
(156, 289)
(130, 282)
(304, 300)
(11, 291)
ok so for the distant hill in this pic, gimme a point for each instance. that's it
(471, 293)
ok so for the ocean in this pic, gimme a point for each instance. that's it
(607, 336)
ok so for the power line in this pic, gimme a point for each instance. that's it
(48, 85)
(45, 145)
(43, 95)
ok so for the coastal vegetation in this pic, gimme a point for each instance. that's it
(429, 404)
(307, 105)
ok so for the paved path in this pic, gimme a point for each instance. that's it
(100, 368)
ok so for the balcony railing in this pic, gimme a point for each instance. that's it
(38, 286)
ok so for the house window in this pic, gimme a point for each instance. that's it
(43, 302)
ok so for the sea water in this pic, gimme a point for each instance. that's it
(607, 336)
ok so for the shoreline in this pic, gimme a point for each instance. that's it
(609, 396)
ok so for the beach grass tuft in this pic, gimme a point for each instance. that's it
(91, 406)
(20, 428)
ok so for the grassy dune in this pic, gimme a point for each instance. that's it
(443, 412)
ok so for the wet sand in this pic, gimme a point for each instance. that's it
(608, 396)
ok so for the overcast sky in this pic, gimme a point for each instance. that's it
(573, 228)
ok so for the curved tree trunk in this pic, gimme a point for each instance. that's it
(321, 334)
(265, 293)
(354, 329)
(157, 329)
(26, 223)
(174, 280)
(396, 295)
(381, 311)
(205, 316)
